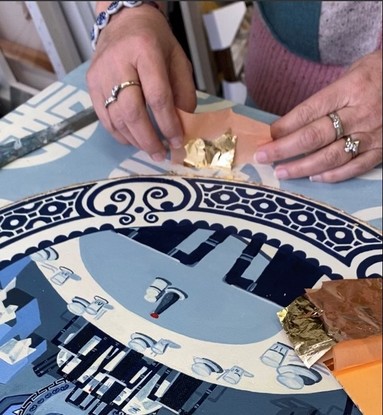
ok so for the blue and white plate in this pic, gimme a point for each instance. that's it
(199, 266)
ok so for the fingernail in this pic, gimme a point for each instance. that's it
(176, 142)
(260, 157)
(317, 178)
(158, 156)
(281, 174)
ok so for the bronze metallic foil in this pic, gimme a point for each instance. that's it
(350, 308)
(218, 153)
(305, 330)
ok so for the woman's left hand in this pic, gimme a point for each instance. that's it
(308, 131)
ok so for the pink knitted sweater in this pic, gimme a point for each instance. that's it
(278, 79)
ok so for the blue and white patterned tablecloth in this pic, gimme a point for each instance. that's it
(91, 154)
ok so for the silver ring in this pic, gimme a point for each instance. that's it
(109, 100)
(351, 146)
(337, 123)
(116, 90)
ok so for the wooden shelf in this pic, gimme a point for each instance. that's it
(26, 55)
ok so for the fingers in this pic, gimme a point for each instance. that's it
(359, 88)
(311, 137)
(319, 105)
(338, 161)
(160, 88)
(130, 118)
(322, 156)
(139, 46)
(359, 165)
(312, 144)
(317, 162)
(126, 119)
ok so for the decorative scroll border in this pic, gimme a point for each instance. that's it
(124, 201)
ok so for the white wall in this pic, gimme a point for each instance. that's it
(16, 24)
(60, 29)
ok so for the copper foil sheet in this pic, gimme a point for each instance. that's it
(350, 308)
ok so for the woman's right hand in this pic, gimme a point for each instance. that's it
(138, 45)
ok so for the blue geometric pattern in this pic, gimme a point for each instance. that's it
(42, 395)
(41, 212)
(318, 224)
(152, 200)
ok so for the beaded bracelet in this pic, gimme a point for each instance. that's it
(103, 18)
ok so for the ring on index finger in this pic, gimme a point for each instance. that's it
(337, 123)
(116, 90)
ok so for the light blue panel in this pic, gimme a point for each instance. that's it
(7, 371)
(127, 268)
(11, 272)
(27, 320)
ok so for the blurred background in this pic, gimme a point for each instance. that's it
(41, 41)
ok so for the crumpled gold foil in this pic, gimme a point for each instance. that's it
(305, 330)
(218, 153)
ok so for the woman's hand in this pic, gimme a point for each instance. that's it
(138, 45)
(308, 131)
